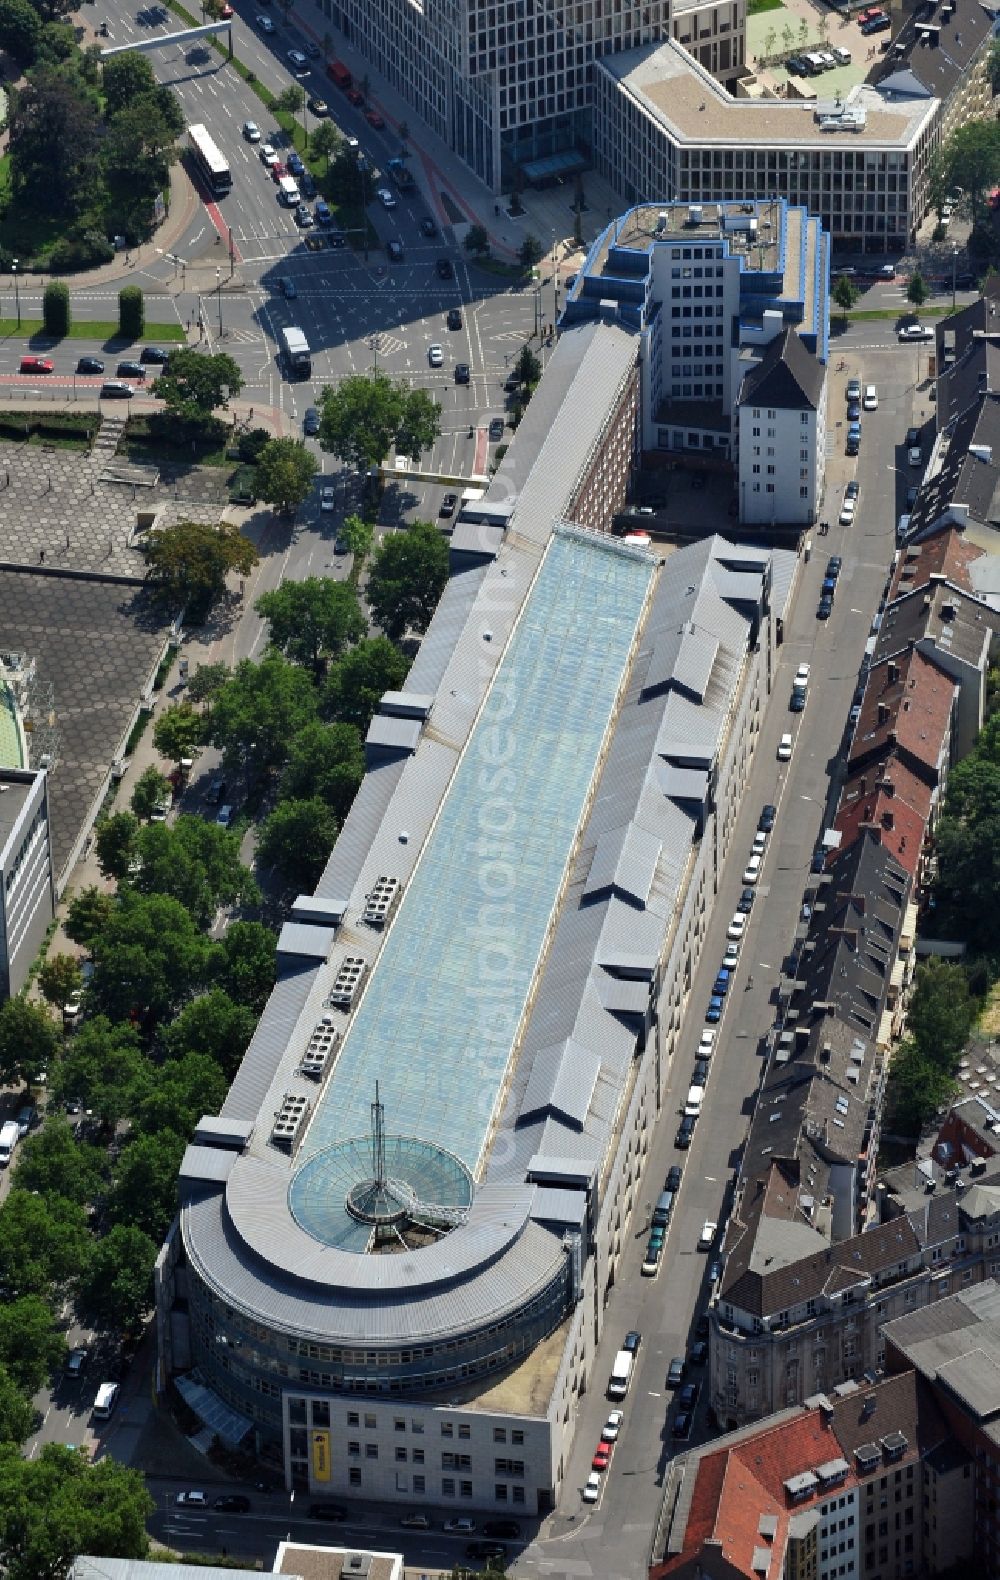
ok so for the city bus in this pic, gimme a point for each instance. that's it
(209, 163)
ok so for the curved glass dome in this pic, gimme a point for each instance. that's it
(422, 1192)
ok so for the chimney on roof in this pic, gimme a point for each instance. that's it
(937, 576)
(888, 821)
(883, 713)
(892, 672)
(888, 787)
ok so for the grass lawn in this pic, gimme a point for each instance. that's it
(904, 310)
(755, 7)
(103, 329)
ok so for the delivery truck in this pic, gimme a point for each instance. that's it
(295, 350)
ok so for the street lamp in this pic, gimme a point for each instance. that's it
(17, 294)
(218, 289)
(363, 172)
(954, 261)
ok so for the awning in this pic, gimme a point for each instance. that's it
(229, 1427)
(568, 164)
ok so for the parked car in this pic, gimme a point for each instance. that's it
(307, 186)
(674, 1175)
(745, 901)
(767, 816)
(682, 1425)
(510, 1529)
(375, 120)
(685, 1130)
(699, 1075)
(486, 1551)
(785, 748)
(295, 164)
(327, 498)
(75, 1363)
(706, 1045)
(825, 609)
(232, 1503)
(675, 1372)
(155, 355)
(427, 226)
(709, 1230)
(632, 1341)
(496, 429)
(870, 399)
(415, 1522)
(191, 1500)
(592, 1488)
(461, 1525)
(698, 1353)
(116, 389)
(448, 504)
(303, 217)
(323, 213)
(224, 816)
(847, 509)
(853, 385)
(612, 1427)
(394, 251)
(716, 1005)
(602, 1456)
(834, 565)
(737, 926)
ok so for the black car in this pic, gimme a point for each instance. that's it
(444, 269)
(767, 816)
(913, 438)
(327, 1511)
(130, 370)
(288, 288)
(829, 587)
(395, 251)
(714, 1271)
(854, 411)
(797, 701)
(486, 1550)
(507, 1528)
(965, 282)
(825, 609)
(496, 429)
(233, 1503)
(688, 1396)
(319, 107)
(90, 365)
(699, 1075)
(462, 373)
(454, 318)
(796, 67)
(154, 354)
(675, 1372)
(313, 51)
(427, 226)
(685, 1130)
(448, 504)
(338, 241)
(307, 184)
(310, 422)
(673, 1181)
(701, 1326)
(631, 1341)
(745, 902)
(833, 566)
(698, 1353)
(682, 1425)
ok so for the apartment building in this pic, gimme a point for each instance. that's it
(730, 303)
(27, 894)
(861, 1483)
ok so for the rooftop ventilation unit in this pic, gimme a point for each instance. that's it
(661, 222)
(381, 902)
(320, 1047)
(694, 214)
(347, 981)
(289, 1120)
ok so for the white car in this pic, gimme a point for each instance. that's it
(435, 356)
(706, 1239)
(730, 961)
(737, 926)
(915, 332)
(461, 1526)
(224, 816)
(847, 509)
(191, 1500)
(870, 401)
(327, 499)
(251, 131)
(759, 843)
(265, 24)
(785, 748)
(296, 60)
(268, 156)
(592, 1491)
(386, 198)
(802, 675)
(706, 1043)
(613, 1426)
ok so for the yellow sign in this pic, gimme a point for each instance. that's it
(321, 1456)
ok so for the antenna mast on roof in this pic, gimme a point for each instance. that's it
(378, 1143)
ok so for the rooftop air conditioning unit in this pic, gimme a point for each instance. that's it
(289, 1120)
(381, 902)
(347, 981)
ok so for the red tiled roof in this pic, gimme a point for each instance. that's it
(907, 702)
(889, 795)
(948, 553)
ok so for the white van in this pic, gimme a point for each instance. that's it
(10, 1135)
(288, 192)
(695, 1097)
(621, 1375)
(107, 1398)
(841, 55)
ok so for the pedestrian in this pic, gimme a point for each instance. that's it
(41, 556)
(749, 983)
(250, 419)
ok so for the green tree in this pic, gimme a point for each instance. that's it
(207, 681)
(259, 710)
(19, 30)
(152, 789)
(407, 578)
(291, 99)
(993, 67)
(32, 1346)
(87, 915)
(970, 160)
(325, 140)
(917, 1088)
(115, 843)
(941, 1012)
(126, 79)
(358, 681)
(195, 384)
(116, 1289)
(916, 290)
(312, 620)
(531, 252)
(845, 294)
(131, 310)
(56, 308)
(29, 1040)
(54, 1162)
(105, 1070)
(246, 964)
(363, 418)
(18, 1418)
(477, 241)
(54, 110)
(144, 1193)
(58, 1505)
(59, 977)
(214, 1027)
(285, 473)
(296, 839)
(189, 561)
(150, 958)
(327, 763)
(43, 1241)
(359, 535)
(196, 862)
(179, 731)
(528, 367)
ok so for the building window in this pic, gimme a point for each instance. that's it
(418, 1483)
(371, 1451)
(369, 1423)
(354, 1448)
(354, 1476)
(400, 1456)
(399, 1424)
(447, 1430)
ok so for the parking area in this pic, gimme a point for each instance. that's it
(796, 27)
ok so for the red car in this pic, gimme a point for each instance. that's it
(602, 1457)
(36, 365)
(374, 120)
(277, 171)
(354, 97)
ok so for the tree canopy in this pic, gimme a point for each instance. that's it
(104, 1069)
(32, 1345)
(179, 731)
(152, 790)
(258, 712)
(115, 1290)
(189, 561)
(29, 1040)
(297, 839)
(197, 863)
(407, 578)
(326, 762)
(144, 1194)
(284, 474)
(194, 383)
(43, 1242)
(313, 619)
(149, 959)
(61, 1504)
(215, 1026)
(55, 1162)
(358, 680)
(246, 964)
(364, 417)
(87, 915)
(969, 159)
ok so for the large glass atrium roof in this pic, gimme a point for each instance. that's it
(439, 1016)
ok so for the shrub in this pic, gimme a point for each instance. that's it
(80, 250)
(251, 444)
(55, 309)
(131, 312)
